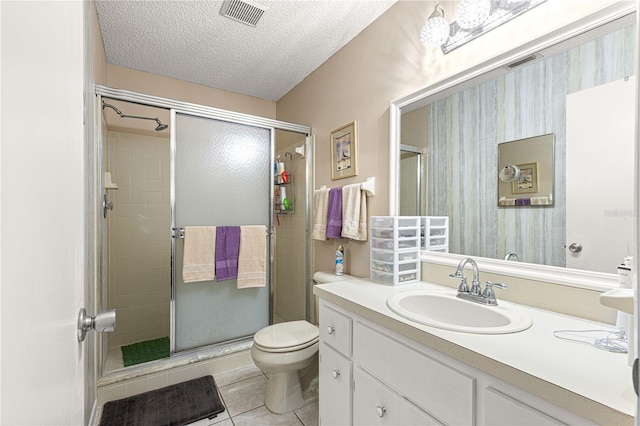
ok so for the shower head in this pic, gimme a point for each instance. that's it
(159, 127)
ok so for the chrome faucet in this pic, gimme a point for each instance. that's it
(475, 293)
(475, 284)
(512, 254)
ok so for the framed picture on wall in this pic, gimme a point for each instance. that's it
(527, 181)
(343, 152)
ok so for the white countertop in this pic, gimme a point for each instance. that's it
(591, 382)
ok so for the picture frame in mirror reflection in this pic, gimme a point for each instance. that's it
(532, 181)
(527, 180)
(344, 152)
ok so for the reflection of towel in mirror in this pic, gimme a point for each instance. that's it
(334, 215)
(354, 212)
(199, 259)
(320, 211)
(227, 248)
(252, 259)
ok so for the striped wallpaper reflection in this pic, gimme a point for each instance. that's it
(465, 129)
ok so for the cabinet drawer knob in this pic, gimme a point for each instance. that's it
(380, 411)
(335, 374)
(331, 329)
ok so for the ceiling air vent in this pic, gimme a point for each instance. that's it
(247, 12)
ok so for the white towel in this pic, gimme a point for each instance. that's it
(199, 259)
(252, 258)
(320, 211)
(354, 212)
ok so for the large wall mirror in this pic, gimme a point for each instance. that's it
(579, 95)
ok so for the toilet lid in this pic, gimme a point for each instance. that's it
(291, 335)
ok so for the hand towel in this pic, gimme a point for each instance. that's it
(198, 261)
(334, 213)
(354, 212)
(227, 248)
(252, 260)
(320, 211)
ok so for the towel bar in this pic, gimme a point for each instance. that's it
(368, 186)
(181, 232)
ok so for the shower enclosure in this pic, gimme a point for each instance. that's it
(209, 168)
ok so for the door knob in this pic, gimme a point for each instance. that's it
(330, 329)
(104, 322)
(575, 247)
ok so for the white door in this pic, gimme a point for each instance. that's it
(600, 142)
(42, 213)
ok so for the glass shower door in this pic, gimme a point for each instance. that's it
(222, 177)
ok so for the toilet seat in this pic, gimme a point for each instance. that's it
(286, 337)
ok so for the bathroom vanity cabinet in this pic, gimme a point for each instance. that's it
(371, 375)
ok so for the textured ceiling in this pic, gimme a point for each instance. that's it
(191, 41)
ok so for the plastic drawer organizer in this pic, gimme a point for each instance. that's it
(435, 235)
(395, 249)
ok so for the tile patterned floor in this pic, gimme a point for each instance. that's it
(242, 391)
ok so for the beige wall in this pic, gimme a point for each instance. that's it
(151, 84)
(386, 62)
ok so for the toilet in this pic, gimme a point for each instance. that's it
(288, 353)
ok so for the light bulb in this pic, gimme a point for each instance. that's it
(472, 13)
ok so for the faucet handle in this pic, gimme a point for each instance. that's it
(463, 287)
(488, 292)
(497, 285)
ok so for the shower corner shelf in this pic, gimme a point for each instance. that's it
(108, 184)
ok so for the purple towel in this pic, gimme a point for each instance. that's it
(227, 249)
(334, 213)
(523, 201)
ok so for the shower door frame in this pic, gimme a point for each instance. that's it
(174, 107)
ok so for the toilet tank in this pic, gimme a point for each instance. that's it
(324, 277)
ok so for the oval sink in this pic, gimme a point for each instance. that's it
(446, 311)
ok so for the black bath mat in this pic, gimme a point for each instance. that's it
(173, 405)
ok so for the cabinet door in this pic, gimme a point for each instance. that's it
(444, 392)
(502, 410)
(335, 387)
(375, 404)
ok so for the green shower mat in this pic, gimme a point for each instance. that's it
(149, 350)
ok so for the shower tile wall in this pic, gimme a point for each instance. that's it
(139, 228)
(290, 247)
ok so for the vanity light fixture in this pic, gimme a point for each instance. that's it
(474, 18)
(436, 30)
(473, 13)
